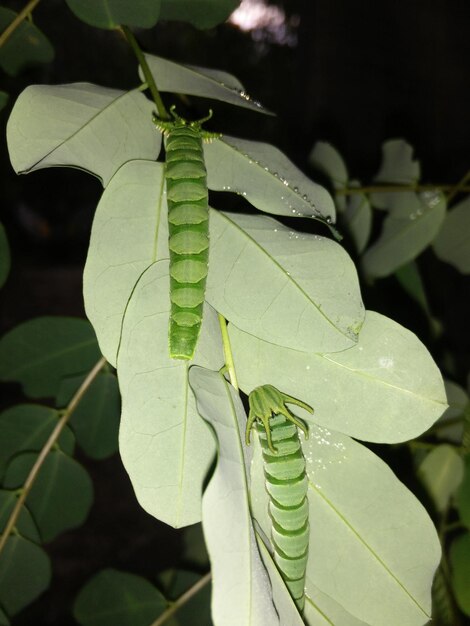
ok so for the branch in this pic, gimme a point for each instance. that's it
(187, 595)
(132, 41)
(10, 29)
(47, 448)
(453, 189)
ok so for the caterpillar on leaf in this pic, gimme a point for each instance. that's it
(285, 481)
(188, 225)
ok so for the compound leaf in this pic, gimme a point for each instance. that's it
(118, 598)
(200, 13)
(453, 241)
(62, 493)
(200, 81)
(25, 572)
(110, 14)
(41, 352)
(165, 446)
(386, 388)
(441, 472)
(81, 125)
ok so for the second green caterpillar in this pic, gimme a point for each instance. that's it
(285, 481)
(188, 224)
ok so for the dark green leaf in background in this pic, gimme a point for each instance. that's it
(25, 524)
(61, 496)
(463, 494)
(41, 352)
(460, 566)
(26, 427)
(4, 247)
(25, 572)
(3, 100)
(27, 45)
(95, 421)
(200, 13)
(194, 550)
(112, 13)
(118, 598)
(4, 621)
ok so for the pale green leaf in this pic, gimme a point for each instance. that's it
(290, 288)
(325, 158)
(27, 427)
(463, 494)
(240, 590)
(25, 573)
(165, 446)
(357, 218)
(80, 125)
(412, 224)
(200, 81)
(398, 168)
(62, 493)
(129, 233)
(41, 352)
(321, 609)
(457, 399)
(285, 606)
(95, 421)
(266, 178)
(25, 524)
(397, 164)
(4, 255)
(26, 46)
(453, 241)
(441, 472)
(118, 598)
(200, 13)
(386, 388)
(460, 568)
(373, 548)
(110, 14)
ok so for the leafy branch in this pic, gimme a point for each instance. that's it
(22, 15)
(402, 188)
(74, 402)
(187, 595)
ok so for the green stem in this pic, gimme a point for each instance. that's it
(53, 437)
(132, 41)
(228, 351)
(23, 14)
(202, 582)
(401, 188)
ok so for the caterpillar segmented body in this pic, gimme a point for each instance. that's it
(286, 483)
(188, 225)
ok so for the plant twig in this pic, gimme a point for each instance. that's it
(460, 186)
(47, 448)
(132, 41)
(228, 351)
(187, 595)
(401, 188)
(10, 29)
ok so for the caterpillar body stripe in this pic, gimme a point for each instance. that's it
(188, 226)
(286, 483)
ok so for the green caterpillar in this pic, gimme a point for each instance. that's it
(188, 225)
(286, 482)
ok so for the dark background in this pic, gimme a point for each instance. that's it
(353, 74)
